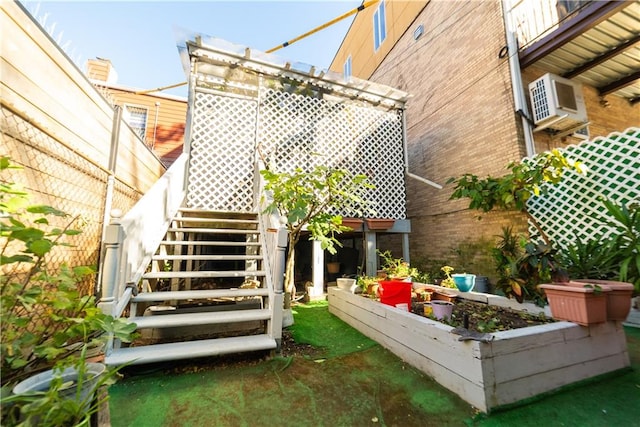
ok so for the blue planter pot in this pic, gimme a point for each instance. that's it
(464, 282)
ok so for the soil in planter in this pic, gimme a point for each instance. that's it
(487, 318)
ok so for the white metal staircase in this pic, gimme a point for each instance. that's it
(210, 286)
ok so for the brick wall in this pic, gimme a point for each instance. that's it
(459, 120)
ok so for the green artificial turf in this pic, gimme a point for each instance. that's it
(316, 326)
(356, 383)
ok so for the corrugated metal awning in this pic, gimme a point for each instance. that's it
(599, 46)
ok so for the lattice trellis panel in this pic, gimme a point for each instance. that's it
(301, 131)
(573, 208)
(221, 168)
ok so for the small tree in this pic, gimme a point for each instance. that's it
(310, 201)
(513, 190)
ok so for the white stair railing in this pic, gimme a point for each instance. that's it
(274, 237)
(131, 241)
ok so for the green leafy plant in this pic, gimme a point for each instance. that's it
(44, 315)
(512, 190)
(69, 399)
(308, 201)
(522, 265)
(594, 259)
(396, 268)
(448, 282)
(428, 269)
(368, 284)
(625, 241)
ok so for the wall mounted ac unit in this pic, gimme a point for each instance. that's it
(557, 103)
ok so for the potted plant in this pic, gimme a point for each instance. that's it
(581, 303)
(448, 281)
(354, 224)
(396, 268)
(610, 260)
(308, 201)
(59, 397)
(379, 223)
(44, 315)
(368, 285)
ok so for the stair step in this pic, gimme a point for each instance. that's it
(207, 243)
(202, 294)
(208, 257)
(211, 230)
(169, 320)
(224, 214)
(202, 274)
(215, 220)
(189, 350)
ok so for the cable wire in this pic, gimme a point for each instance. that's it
(325, 25)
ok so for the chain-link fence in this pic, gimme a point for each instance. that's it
(54, 175)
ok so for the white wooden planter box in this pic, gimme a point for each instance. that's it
(516, 365)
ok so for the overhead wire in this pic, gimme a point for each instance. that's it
(327, 24)
(363, 6)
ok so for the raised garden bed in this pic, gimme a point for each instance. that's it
(515, 365)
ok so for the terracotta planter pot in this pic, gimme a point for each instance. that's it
(333, 267)
(618, 300)
(354, 223)
(576, 303)
(379, 223)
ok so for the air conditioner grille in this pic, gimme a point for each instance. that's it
(539, 101)
(566, 97)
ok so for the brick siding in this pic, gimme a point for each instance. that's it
(460, 119)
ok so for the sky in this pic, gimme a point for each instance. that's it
(140, 37)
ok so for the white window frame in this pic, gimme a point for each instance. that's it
(379, 26)
(346, 69)
(133, 115)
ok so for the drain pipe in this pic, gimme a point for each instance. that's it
(516, 79)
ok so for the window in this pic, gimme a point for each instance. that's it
(379, 26)
(567, 7)
(136, 117)
(346, 70)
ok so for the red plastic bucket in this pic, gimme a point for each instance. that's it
(395, 292)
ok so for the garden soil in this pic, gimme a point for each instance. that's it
(328, 374)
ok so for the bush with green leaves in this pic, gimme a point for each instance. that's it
(309, 200)
(44, 314)
(625, 241)
(511, 191)
(522, 265)
(616, 257)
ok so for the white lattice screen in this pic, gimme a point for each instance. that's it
(301, 131)
(573, 208)
(222, 153)
(292, 131)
